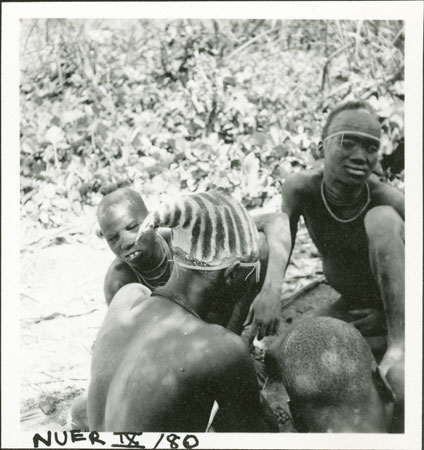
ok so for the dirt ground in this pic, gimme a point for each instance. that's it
(62, 307)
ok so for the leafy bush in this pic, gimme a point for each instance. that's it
(184, 105)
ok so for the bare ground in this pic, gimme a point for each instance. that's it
(62, 307)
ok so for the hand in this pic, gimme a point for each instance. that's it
(392, 366)
(264, 314)
(395, 376)
(368, 321)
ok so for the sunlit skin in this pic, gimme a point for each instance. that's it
(119, 216)
(157, 367)
(119, 227)
(362, 259)
(119, 219)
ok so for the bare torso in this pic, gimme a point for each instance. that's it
(343, 246)
(154, 368)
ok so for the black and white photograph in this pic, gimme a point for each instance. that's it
(212, 225)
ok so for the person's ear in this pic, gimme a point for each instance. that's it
(230, 273)
(297, 419)
(382, 386)
(99, 233)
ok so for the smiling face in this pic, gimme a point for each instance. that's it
(351, 154)
(120, 215)
(119, 224)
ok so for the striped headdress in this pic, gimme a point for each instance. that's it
(209, 231)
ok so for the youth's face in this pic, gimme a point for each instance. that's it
(350, 158)
(119, 225)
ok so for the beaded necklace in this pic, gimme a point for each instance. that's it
(338, 219)
(166, 261)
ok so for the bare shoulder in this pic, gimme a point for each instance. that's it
(118, 274)
(130, 295)
(303, 182)
(228, 348)
(297, 189)
(119, 268)
(382, 191)
(383, 194)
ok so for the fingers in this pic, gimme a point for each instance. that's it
(252, 334)
(357, 323)
(368, 319)
(262, 332)
(276, 326)
(361, 312)
(267, 329)
(249, 317)
(365, 326)
(148, 224)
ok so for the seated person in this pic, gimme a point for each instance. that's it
(148, 260)
(357, 223)
(332, 379)
(157, 365)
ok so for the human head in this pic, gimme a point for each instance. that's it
(119, 215)
(210, 231)
(332, 379)
(351, 139)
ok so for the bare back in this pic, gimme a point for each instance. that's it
(156, 367)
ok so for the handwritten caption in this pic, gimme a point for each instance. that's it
(121, 440)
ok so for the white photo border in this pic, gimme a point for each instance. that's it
(411, 12)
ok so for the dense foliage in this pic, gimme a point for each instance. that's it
(185, 105)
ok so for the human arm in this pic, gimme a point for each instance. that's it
(292, 199)
(369, 321)
(265, 308)
(280, 230)
(386, 195)
(395, 377)
(387, 258)
(117, 276)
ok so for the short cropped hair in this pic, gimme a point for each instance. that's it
(326, 362)
(346, 106)
(118, 196)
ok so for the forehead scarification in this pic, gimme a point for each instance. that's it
(357, 121)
